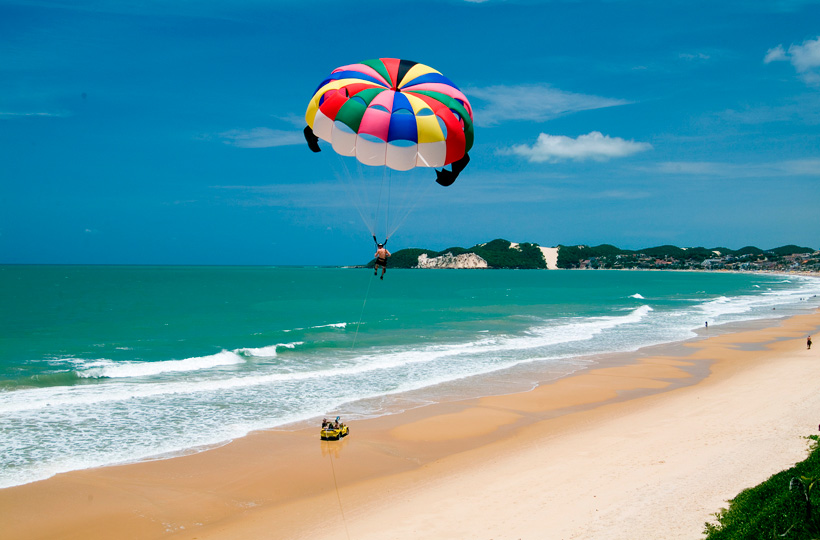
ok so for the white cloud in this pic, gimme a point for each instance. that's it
(33, 114)
(804, 57)
(594, 145)
(261, 138)
(802, 109)
(294, 119)
(534, 102)
(775, 54)
(301, 195)
(796, 167)
(618, 194)
(694, 56)
(807, 55)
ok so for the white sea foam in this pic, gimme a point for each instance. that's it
(369, 362)
(109, 369)
(636, 295)
(724, 306)
(511, 347)
(115, 370)
(731, 308)
(269, 351)
(333, 325)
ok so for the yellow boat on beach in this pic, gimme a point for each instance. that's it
(333, 431)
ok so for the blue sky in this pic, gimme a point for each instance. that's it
(166, 132)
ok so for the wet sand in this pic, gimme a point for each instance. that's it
(642, 445)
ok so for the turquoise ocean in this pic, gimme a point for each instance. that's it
(111, 364)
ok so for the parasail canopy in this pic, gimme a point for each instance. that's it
(394, 113)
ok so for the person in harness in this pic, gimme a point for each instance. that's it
(381, 258)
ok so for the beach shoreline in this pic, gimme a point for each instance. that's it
(281, 483)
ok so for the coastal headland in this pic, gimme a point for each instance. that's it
(642, 445)
(502, 253)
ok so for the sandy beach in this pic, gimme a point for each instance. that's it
(644, 445)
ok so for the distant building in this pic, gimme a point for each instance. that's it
(712, 263)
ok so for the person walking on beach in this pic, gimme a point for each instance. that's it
(381, 259)
(808, 342)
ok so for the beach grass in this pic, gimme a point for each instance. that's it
(787, 505)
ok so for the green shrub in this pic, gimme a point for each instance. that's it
(786, 506)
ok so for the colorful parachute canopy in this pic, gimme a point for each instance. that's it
(392, 112)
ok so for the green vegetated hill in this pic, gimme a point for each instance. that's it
(498, 254)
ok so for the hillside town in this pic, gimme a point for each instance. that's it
(765, 261)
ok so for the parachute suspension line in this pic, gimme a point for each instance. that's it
(382, 207)
(411, 201)
(400, 200)
(361, 313)
(389, 201)
(378, 213)
(354, 194)
(338, 497)
(386, 176)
